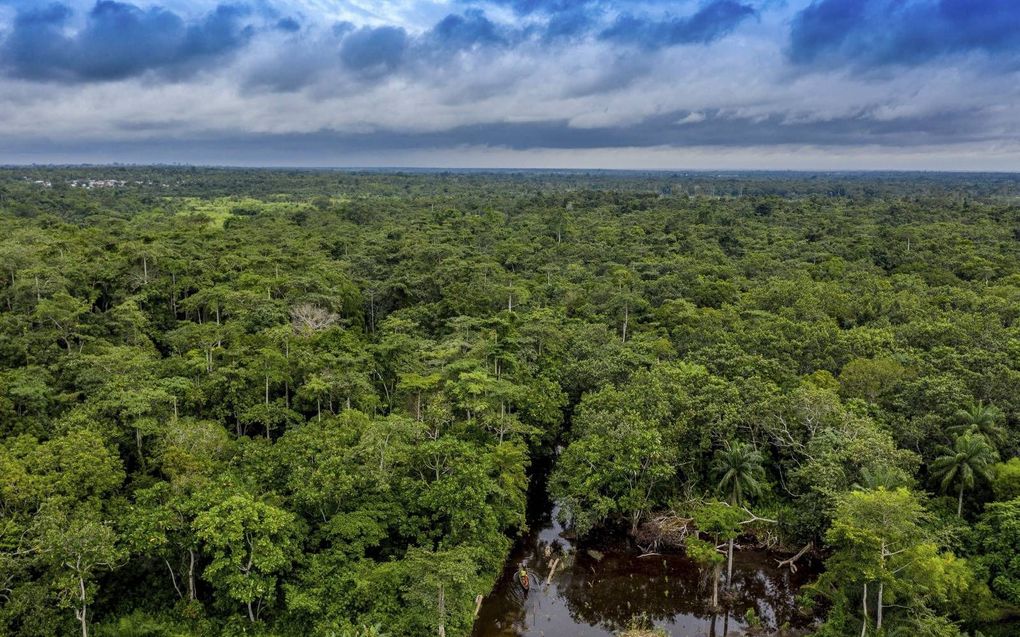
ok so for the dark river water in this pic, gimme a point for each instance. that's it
(592, 597)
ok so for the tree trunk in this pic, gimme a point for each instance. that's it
(251, 614)
(959, 504)
(191, 575)
(82, 614)
(729, 564)
(864, 605)
(716, 574)
(173, 578)
(878, 609)
(442, 611)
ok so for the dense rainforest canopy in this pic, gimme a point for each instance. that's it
(307, 402)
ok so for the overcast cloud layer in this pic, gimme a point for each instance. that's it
(514, 83)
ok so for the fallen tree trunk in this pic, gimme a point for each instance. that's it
(552, 570)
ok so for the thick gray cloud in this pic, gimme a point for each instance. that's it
(711, 22)
(117, 40)
(589, 81)
(866, 34)
(374, 50)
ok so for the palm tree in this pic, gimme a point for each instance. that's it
(979, 418)
(882, 476)
(738, 473)
(970, 456)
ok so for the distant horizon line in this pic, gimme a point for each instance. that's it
(548, 170)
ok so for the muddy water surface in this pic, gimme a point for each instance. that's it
(602, 587)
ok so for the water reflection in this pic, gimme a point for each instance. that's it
(600, 588)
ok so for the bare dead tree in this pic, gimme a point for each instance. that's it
(308, 318)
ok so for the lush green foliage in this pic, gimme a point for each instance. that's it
(305, 403)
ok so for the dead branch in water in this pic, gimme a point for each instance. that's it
(791, 562)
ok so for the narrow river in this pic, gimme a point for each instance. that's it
(603, 586)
